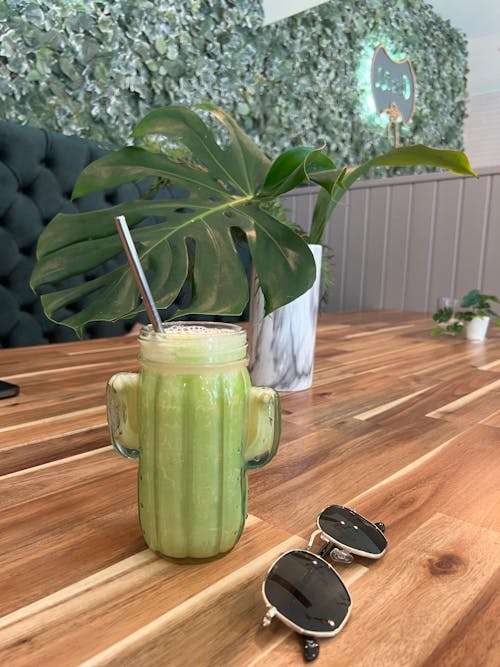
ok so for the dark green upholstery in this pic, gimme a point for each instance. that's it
(38, 169)
(37, 172)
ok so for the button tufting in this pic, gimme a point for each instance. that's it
(37, 180)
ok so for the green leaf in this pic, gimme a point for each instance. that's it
(242, 165)
(133, 164)
(186, 239)
(330, 179)
(320, 216)
(405, 156)
(325, 203)
(479, 303)
(292, 167)
(472, 298)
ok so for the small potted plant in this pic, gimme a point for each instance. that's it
(473, 316)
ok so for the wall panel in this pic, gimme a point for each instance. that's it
(374, 260)
(490, 278)
(400, 243)
(446, 237)
(396, 255)
(474, 216)
(355, 250)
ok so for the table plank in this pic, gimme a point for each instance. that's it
(406, 609)
(338, 465)
(139, 594)
(459, 478)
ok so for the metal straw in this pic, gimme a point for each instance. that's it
(137, 270)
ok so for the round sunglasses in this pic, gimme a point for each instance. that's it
(304, 591)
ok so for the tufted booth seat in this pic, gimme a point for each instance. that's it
(38, 169)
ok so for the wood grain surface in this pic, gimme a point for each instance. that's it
(399, 425)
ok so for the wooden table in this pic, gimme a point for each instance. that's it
(399, 425)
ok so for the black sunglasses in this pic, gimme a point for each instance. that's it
(305, 592)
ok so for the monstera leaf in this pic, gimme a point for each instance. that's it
(190, 238)
(189, 241)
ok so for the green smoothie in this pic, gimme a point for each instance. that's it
(196, 425)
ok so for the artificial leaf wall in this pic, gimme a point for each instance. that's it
(94, 68)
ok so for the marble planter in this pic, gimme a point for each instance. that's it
(281, 345)
(476, 329)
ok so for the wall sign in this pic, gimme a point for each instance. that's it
(393, 90)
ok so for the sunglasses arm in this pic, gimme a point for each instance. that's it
(337, 555)
(270, 614)
(311, 646)
(311, 649)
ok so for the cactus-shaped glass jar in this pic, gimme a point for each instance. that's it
(196, 425)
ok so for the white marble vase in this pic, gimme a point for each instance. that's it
(281, 345)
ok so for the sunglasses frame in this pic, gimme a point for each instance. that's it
(273, 612)
(339, 545)
(338, 553)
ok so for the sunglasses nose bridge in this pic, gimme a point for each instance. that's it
(322, 536)
(329, 549)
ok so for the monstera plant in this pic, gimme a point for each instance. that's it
(225, 187)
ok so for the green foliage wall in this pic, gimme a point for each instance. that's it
(93, 68)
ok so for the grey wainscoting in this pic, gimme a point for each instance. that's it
(402, 242)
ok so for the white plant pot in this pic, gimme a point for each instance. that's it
(476, 328)
(281, 345)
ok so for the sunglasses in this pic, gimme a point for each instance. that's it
(304, 591)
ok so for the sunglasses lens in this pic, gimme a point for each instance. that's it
(308, 592)
(352, 531)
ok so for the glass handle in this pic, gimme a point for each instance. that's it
(121, 404)
(263, 427)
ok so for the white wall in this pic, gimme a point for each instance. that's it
(480, 21)
(482, 130)
(275, 10)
